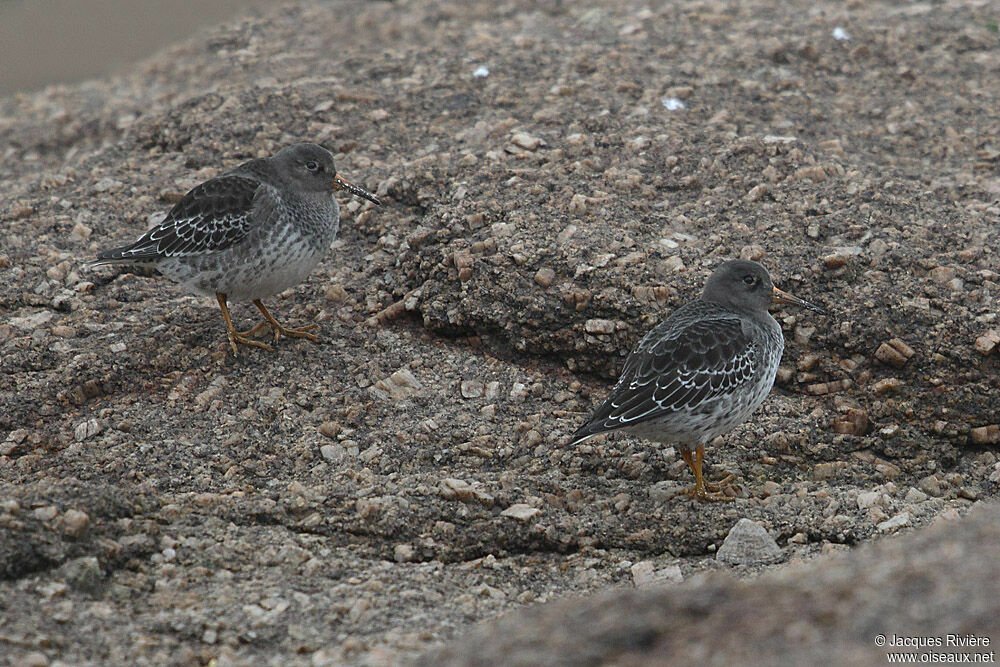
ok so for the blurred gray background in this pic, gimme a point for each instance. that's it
(61, 41)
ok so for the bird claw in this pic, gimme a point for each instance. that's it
(301, 332)
(279, 331)
(723, 484)
(712, 491)
(696, 492)
(242, 339)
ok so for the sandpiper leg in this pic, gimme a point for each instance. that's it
(279, 330)
(234, 336)
(701, 489)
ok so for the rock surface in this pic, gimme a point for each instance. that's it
(748, 544)
(829, 611)
(366, 499)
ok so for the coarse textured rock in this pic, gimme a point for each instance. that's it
(748, 543)
(835, 606)
(542, 210)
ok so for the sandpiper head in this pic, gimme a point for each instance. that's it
(746, 286)
(310, 167)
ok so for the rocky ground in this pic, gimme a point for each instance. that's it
(557, 177)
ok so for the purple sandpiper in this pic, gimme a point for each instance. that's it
(248, 234)
(702, 371)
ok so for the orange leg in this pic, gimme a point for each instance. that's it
(702, 490)
(235, 336)
(277, 328)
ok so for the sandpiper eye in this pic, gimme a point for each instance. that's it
(312, 166)
(749, 280)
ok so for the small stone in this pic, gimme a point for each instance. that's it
(518, 392)
(814, 173)
(520, 511)
(985, 435)
(895, 523)
(673, 264)
(894, 352)
(472, 388)
(645, 573)
(597, 326)
(332, 453)
(21, 211)
(457, 489)
(915, 495)
(73, 522)
(35, 659)
(835, 260)
(45, 513)
(868, 499)
(566, 234)
(748, 543)
(545, 276)
(886, 386)
(526, 141)
(401, 384)
(336, 294)
(404, 553)
(942, 274)
(83, 574)
(855, 422)
(930, 485)
(828, 469)
(832, 387)
(756, 193)
(33, 321)
(86, 429)
(987, 342)
(329, 429)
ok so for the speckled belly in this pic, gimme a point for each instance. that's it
(711, 419)
(250, 270)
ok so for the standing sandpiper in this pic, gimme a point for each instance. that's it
(702, 371)
(248, 234)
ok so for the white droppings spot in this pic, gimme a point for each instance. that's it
(841, 35)
(481, 72)
(673, 104)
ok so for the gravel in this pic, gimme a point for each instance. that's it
(368, 498)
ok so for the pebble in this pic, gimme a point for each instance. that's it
(526, 141)
(894, 352)
(988, 342)
(895, 523)
(73, 522)
(33, 321)
(401, 384)
(597, 326)
(855, 422)
(985, 435)
(887, 386)
(86, 429)
(930, 485)
(915, 495)
(457, 489)
(83, 574)
(35, 659)
(645, 573)
(545, 276)
(332, 453)
(520, 511)
(748, 543)
(472, 388)
(404, 553)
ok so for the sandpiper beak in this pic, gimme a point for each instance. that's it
(339, 183)
(785, 297)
